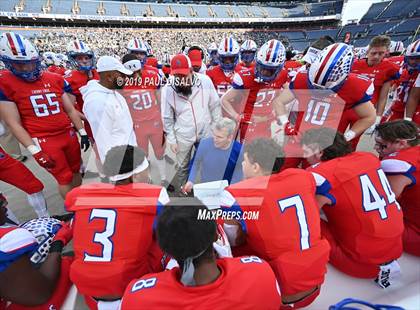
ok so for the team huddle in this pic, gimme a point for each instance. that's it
(280, 131)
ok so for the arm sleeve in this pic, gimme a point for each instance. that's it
(396, 166)
(323, 187)
(67, 88)
(3, 96)
(168, 116)
(367, 96)
(14, 245)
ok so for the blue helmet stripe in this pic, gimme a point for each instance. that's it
(276, 50)
(230, 44)
(333, 63)
(81, 45)
(21, 46)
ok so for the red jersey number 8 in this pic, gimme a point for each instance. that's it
(42, 108)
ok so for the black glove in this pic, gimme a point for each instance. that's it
(84, 143)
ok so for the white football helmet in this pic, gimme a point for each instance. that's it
(77, 48)
(212, 54)
(396, 47)
(248, 51)
(139, 48)
(412, 56)
(44, 230)
(270, 60)
(17, 50)
(61, 60)
(48, 58)
(228, 54)
(332, 66)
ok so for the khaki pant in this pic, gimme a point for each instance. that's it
(183, 158)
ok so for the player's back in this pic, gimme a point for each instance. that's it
(39, 103)
(365, 220)
(288, 215)
(140, 94)
(410, 197)
(244, 283)
(113, 231)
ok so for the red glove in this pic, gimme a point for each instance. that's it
(289, 130)
(44, 160)
(64, 234)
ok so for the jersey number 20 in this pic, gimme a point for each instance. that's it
(104, 237)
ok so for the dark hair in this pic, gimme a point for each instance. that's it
(181, 234)
(266, 153)
(331, 142)
(289, 54)
(123, 159)
(323, 42)
(399, 130)
(128, 57)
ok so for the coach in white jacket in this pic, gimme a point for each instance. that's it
(106, 109)
(190, 105)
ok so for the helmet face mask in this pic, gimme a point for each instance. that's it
(267, 73)
(228, 62)
(412, 56)
(28, 70)
(248, 56)
(76, 49)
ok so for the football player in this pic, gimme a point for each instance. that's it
(330, 88)
(21, 283)
(254, 90)
(248, 53)
(287, 233)
(381, 72)
(142, 93)
(212, 57)
(397, 143)
(113, 227)
(82, 60)
(412, 109)
(228, 58)
(202, 281)
(48, 59)
(138, 47)
(39, 113)
(364, 222)
(407, 80)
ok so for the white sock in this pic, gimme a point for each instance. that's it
(37, 201)
(162, 168)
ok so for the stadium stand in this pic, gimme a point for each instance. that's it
(374, 11)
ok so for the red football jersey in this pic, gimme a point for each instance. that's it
(140, 94)
(379, 74)
(407, 163)
(398, 60)
(365, 218)
(260, 95)
(39, 103)
(287, 232)
(231, 290)
(56, 69)
(77, 79)
(222, 81)
(404, 84)
(113, 232)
